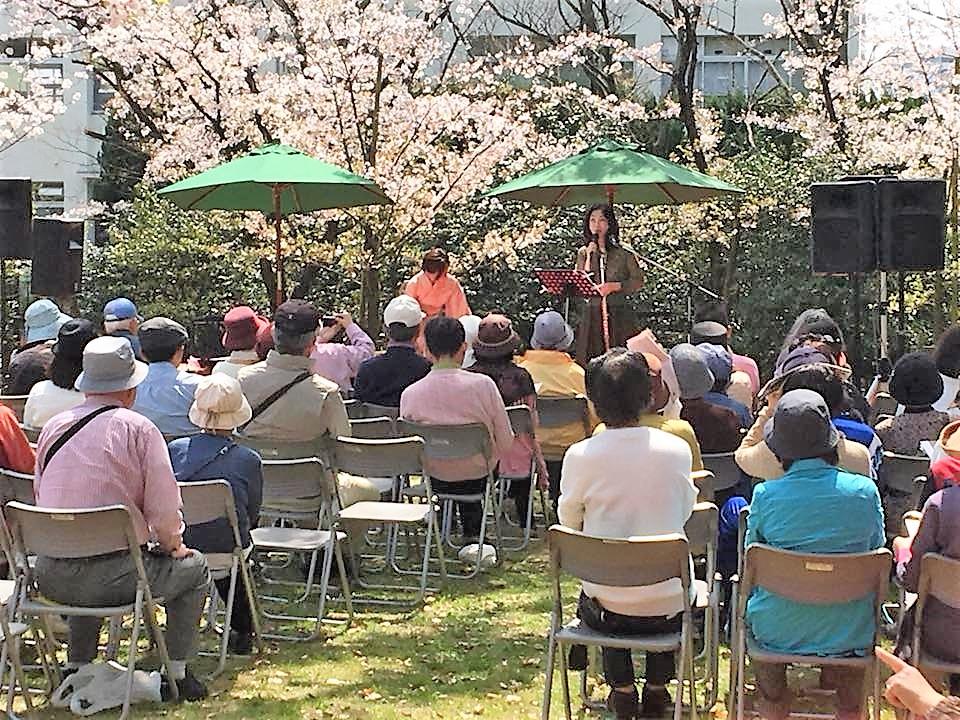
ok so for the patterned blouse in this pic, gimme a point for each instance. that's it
(902, 434)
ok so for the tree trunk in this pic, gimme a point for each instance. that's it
(370, 283)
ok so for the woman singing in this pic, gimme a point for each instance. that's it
(622, 277)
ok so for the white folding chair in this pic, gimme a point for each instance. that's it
(296, 493)
(399, 458)
(703, 479)
(373, 428)
(726, 472)
(940, 579)
(901, 479)
(32, 433)
(618, 563)
(701, 531)
(521, 420)
(16, 486)
(12, 632)
(15, 403)
(556, 412)
(207, 501)
(455, 442)
(813, 579)
(75, 534)
(365, 410)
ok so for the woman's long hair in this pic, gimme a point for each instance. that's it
(613, 233)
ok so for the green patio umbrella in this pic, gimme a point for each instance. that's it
(611, 172)
(277, 180)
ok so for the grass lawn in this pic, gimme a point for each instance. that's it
(474, 651)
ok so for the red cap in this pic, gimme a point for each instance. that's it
(241, 325)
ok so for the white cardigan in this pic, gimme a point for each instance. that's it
(628, 482)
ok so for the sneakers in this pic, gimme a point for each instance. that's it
(655, 701)
(189, 688)
(240, 643)
(625, 705)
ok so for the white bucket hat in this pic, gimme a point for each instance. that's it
(109, 366)
(219, 404)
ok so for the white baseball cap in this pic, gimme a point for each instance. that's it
(404, 310)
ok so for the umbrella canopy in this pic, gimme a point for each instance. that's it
(247, 183)
(278, 180)
(612, 172)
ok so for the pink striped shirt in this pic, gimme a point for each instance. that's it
(118, 458)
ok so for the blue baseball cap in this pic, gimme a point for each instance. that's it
(120, 309)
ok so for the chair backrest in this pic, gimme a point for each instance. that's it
(32, 433)
(208, 500)
(297, 486)
(279, 450)
(17, 486)
(742, 517)
(703, 479)
(701, 529)
(556, 412)
(71, 533)
(449, 442)
(378, 458)
(884, 404)
(816, 579)
(940, 577)
(910, 522)
(521, 420)
(726, 472)
(353, 408)
(619, 562)
(901, 473)
(374, 428)
(373, 410)
(15, 403)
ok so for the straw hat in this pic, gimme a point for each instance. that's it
(219, 404)
(950, 439)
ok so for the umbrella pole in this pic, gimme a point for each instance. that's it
(604, 312)
(278, 260)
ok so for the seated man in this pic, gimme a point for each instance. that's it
(166, 394)
(449, 395)
(717, 428)
(715, 327)
(721, 367)
(240, 327)
(815, 507)
(218, 409)
(381, 379)
(599, 498)
(121, 319)
(338, 361)
(118, 457)
(291, 403)
(31, 363)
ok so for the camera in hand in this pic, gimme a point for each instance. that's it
(328, 320)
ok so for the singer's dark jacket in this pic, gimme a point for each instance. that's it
(621, 266)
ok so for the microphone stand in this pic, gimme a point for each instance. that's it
(691, 286)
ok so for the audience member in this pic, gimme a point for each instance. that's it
(718, 313)
(381, 379)
(15, 451)
(477, 401)
(717, 428)
(599, 498)
(471, 326)
(495, 346)
(435, 289)
(813, 322)
(121, 319)
(240, 327)
(219, 407)
(741, 386)
(31, 363)
(916, 385)
(946, 355)
(811, 372)
(335, 360)
(50, 397)
(721, 367)
(290, 402)
(945, 470)
(555, 374)
(907, 689)
(813, 508)
(264, 342)
(116, 456)
(166, 394)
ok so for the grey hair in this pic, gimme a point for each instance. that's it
(288, 344)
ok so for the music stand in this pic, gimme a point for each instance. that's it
(568, 283)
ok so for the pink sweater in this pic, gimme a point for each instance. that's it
(458, 397)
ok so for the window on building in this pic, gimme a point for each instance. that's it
(48, 198)
(14, 48)
(100, 95)
(50, 77)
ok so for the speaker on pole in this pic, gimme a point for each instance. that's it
(843, 227)
(16, 210)
(913, 224)
(57, 257)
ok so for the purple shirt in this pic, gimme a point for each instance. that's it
(338, 362)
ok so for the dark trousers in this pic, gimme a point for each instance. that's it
(553, 468)
(471, 513)
(241, 621)
(519, 492)
(775, 696)
(617, 662)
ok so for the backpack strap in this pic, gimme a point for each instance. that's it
(271, 399)
(71, 431)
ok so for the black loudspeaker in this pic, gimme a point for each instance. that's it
(913, 224)
(16, 209)
(57, 257)
(843, 227)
